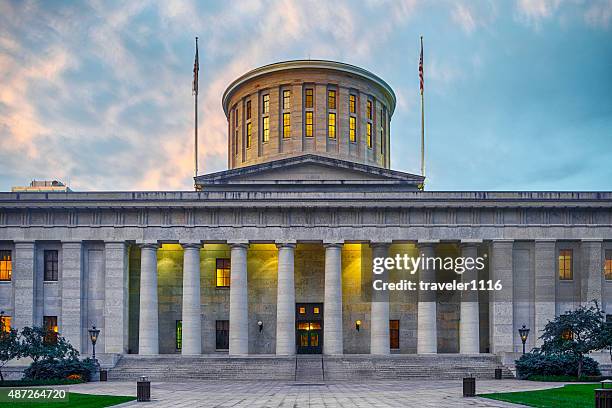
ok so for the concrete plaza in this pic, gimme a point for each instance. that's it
(430, 393)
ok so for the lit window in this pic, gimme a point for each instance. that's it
(316, 310)
(369, 110)
(567, 335)
(236, 131)
(286, 100)
(222, 334)
(51, 265)
(332, 126)
(309, 98)
(266, 129)
(50, 326)
(5, 324)
(179, 334)
(352, 130)
(369, 134)
(248, 110)
(394, 338)
(286, 125)
(249, 133)
(331, 99)
(608, 265)
(309, 124)
(6, 266)
(266, 103)
(352, 104)
(565, 264)
(223, 272)
(302, 310)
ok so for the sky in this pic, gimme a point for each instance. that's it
(518, 94)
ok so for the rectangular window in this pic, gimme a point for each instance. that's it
(5, 324)
(369, 110)
(50, 326)
(286, 125)
(179, 334)
(249, 134)
(266, 129)
(331, 99)
(236, 131)
(608, 265)
(331, 129)
(352, 130)
(309, 124)
(6, 266)
(286, 100)
(222, 334)
(309, 98)
(352, 104)
(51, 266)
(565, 265)
(381, 141)
(394, 338)
(248, 110)
(369, 134)
(266, 104)
(223, 272)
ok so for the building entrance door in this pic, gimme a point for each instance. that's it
(309, 328)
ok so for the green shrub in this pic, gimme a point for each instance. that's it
(60, 369)
(540, 364)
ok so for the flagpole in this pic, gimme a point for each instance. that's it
(196, 68)
(422, 116)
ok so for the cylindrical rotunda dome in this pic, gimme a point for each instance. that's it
(308, 107)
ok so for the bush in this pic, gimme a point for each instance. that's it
(60, 369)
(540, 364)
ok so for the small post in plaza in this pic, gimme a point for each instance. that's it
(524, 333)
(469, 386)
(498, 373)
(93, 336)
(603, 395)
(143, 389)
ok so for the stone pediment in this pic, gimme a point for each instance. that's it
(310, 169)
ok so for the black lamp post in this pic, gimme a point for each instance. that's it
(524, 333)
(93, 336)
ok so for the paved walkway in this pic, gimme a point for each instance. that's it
(419, 394)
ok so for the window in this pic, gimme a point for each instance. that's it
(302, 310)
(369, 110)
(5, 324)
(331, 130)
(179, 334)
(51, 266)
(567, 335)
(352, 104)
(6, 266)
(50, 326)
(236, 131)
(369, 134)
(266, 104)
(222, 337)
(266, 129)
(309, 124)
(315, 310)
(286, 100)
(223, 272)
(352, 130)
(394, 334)
(382, 130)
(286, 125)
(249, 134)
(331, 99)
(309, 98)
(248, 110)
(607, 265)
(565, 264)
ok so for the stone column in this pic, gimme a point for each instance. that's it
(285, 301)
(116, 296)
(379, 316)
(192, 320)
(500, 302)
(24, 285)
(72, 295)
(592, 276)
(148, 326)
(239, 308)
(427, 329)
(332, 309)
(545, 286)
(469, 323)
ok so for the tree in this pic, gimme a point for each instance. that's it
(41, 343)
(10, 345)
(576, 333)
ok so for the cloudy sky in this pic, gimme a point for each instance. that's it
(98, 94)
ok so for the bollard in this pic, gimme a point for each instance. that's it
(603, 395)
(103, 375)
(498, 373)
(469, 387)
(143, 389)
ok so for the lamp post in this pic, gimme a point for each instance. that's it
(524, 333)
(93, 336)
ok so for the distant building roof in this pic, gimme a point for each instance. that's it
(43, 186)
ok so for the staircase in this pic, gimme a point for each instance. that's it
(309, 369)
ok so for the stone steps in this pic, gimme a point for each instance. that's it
(309, 369)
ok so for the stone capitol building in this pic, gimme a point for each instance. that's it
(272, 259)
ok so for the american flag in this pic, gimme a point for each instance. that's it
(421, 79)
(196, 69)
